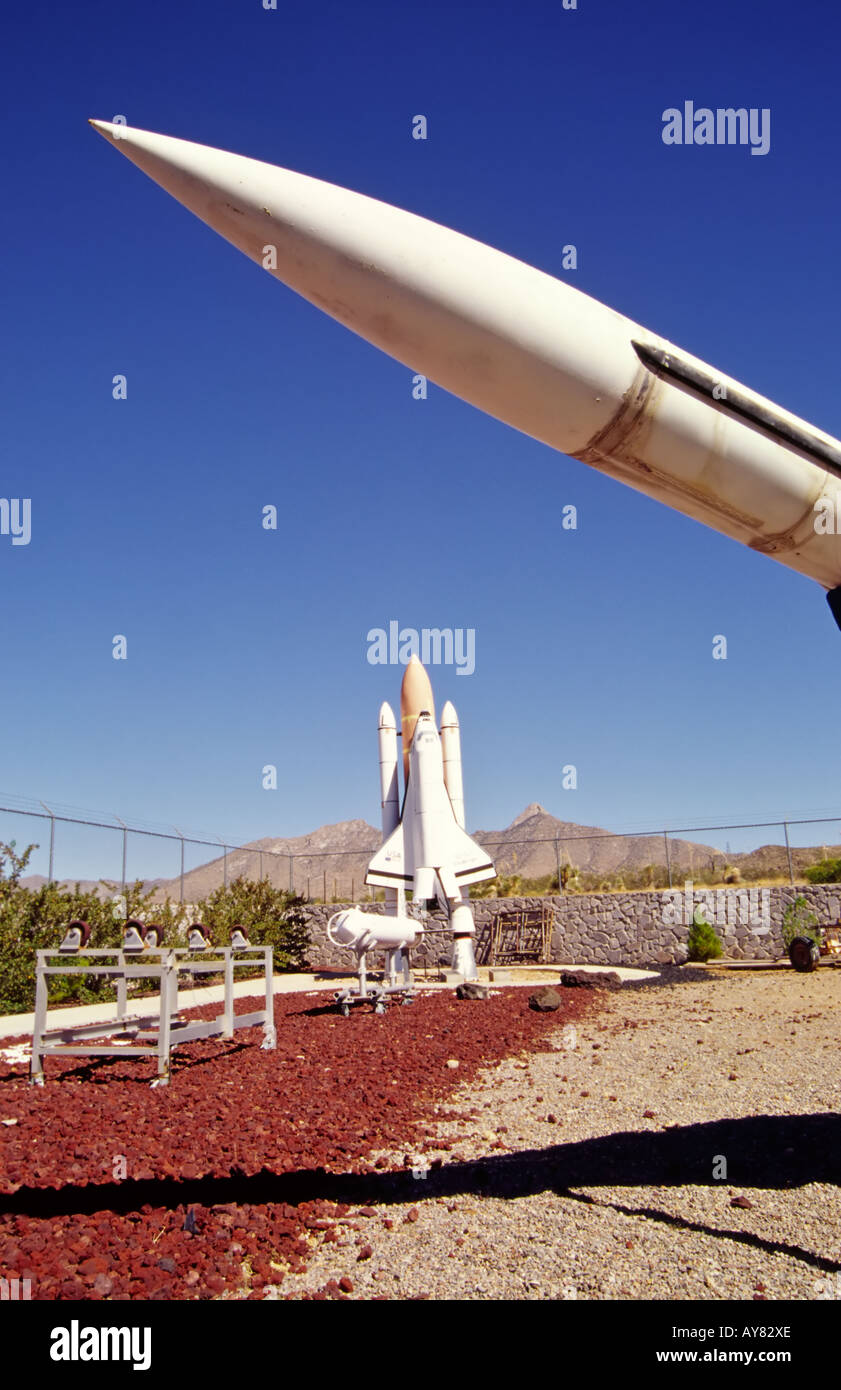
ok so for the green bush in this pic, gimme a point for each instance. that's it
(33, 920)
(799, 920)
(270, 916)
(703, 943)
(826, 871)
(503, 886)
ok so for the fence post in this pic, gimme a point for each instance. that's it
(52, 837)
(325, 885)
(225, 863)
(788, 852)
(668, 856)
(558, 862)
(125, 836)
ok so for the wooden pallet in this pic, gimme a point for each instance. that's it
(521, 934)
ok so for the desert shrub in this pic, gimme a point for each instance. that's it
(567, 882)
(826, 871)
(703, 943)
(503, 886)
(271, 917)
(799, 920)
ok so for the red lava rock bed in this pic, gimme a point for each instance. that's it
(220, 1182)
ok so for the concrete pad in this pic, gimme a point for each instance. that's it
(550, 974)
(625, 972)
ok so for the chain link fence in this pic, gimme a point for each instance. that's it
(588, 862)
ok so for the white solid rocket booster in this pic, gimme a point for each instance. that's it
(389, 790)
(389, 798)
(451, 753)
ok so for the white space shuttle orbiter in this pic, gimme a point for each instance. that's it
(426, 850)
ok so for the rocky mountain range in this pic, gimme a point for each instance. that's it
(332, 860)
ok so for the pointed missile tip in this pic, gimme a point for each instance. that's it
(109, 130)
(386, 720)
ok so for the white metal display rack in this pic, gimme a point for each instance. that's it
(147, 1035)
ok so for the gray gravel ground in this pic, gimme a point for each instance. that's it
(602, 1170)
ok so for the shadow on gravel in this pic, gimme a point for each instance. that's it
(777, 1152)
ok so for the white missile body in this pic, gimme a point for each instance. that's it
(526, 348)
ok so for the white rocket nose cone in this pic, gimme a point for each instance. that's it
(449, 718)
(386, 719)
(105, 128)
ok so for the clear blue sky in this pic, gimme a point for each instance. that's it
(248, 647)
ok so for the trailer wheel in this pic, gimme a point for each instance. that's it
(804, 953)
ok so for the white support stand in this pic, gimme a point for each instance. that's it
(464, 931)
(147, 1035)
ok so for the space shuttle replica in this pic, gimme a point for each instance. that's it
(526, 348)
(425, 851)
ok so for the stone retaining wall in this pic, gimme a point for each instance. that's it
(615, 928)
